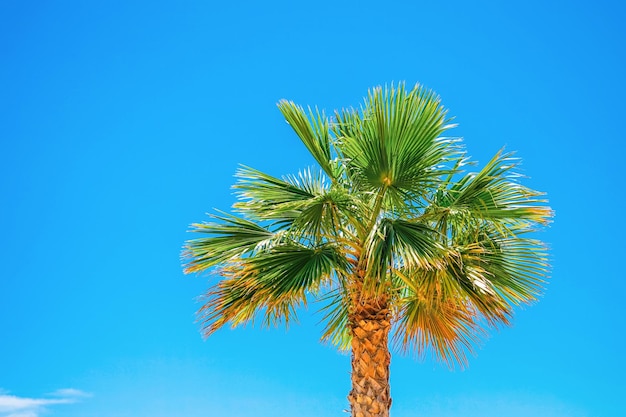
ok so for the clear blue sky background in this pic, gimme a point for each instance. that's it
(123, 122)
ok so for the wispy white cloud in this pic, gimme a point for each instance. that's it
(70, 393)
(15, 406)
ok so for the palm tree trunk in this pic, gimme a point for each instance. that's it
(370, 395)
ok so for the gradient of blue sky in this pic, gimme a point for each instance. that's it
(123, 122)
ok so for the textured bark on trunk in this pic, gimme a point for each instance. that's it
(370, 395)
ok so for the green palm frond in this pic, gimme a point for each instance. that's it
(314, 131)
(327, 216)
(446, 311)
(272, 283)
(465, 276)
(395, 141)
(493, 194)
(264, 197)
(336, 308)
(229, 236)
(291, 268)
(306, 204)
(397, 243)
(518, 267)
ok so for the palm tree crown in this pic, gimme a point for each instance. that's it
(391, 228)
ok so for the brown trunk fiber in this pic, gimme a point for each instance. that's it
(370, 395)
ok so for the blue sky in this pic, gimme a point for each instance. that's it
(123, 122)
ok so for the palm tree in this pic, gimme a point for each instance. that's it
(390, 234)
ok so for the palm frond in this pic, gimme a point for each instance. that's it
(293, 267)
(228, 236)
(397, 243)
(272, 283)
(336, 309)
(434, 319)
(465, 276)
(305, 204)
(445, 310)
(314, 131)
(517, 267)
(264, 197)
(493, 194)
(329, 216)
(395, 141)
